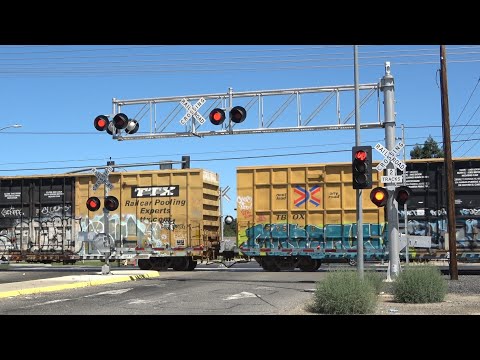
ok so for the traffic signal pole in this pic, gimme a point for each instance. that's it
(359, 191)
(387, 86)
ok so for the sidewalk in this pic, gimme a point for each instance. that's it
(72, 282)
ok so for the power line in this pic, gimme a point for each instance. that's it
(200, 160)
(468, 101)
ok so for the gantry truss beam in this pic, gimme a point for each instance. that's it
(271, 111)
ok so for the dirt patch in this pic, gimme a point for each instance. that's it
(454, 304)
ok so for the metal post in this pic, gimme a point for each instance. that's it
(230, 105)
(106, 230)
(405, 205)
(387, 85)
(221, 215)
(359, 191)
(447, 149)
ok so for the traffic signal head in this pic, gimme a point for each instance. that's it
(93, 203)
(101, 122)
(111, 203)
(402, 194)
(120, 121)
(362, 167)
(217, 116)
(379, 196)
(238, 114)
(185, 162)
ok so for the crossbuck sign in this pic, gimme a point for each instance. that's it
(102, 178)
(192, 111)
(390, 157)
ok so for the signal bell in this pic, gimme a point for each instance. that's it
(132, 127)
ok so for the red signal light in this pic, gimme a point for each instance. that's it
(361, 155)
(93, 203)
(217, 116)
(101, 122)
(379, 196)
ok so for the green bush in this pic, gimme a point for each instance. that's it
(419, 284)
(343, 292)
(376, 279)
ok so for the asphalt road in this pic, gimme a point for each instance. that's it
(246, 290)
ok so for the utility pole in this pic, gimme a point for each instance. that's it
(359, 191)
(387, 86)
(447, 149)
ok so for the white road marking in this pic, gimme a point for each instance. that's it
(53, 301)
(242, 295)
(139, 301)
(111, 292)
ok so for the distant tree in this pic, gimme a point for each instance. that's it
(230, 229)
(429, 150)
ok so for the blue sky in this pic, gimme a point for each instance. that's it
(55, 92)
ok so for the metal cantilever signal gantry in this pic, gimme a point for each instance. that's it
(269, 111)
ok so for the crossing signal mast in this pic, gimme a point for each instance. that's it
(110, 203)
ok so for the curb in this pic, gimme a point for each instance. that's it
(80, 284)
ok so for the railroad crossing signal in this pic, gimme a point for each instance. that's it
(217, 116)
(93, 203)
(402, 195)
(237, 114)
(192, 111)
(119, 122)
(390, 157)
(111, 203)
(379, 196)
(102, 178)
